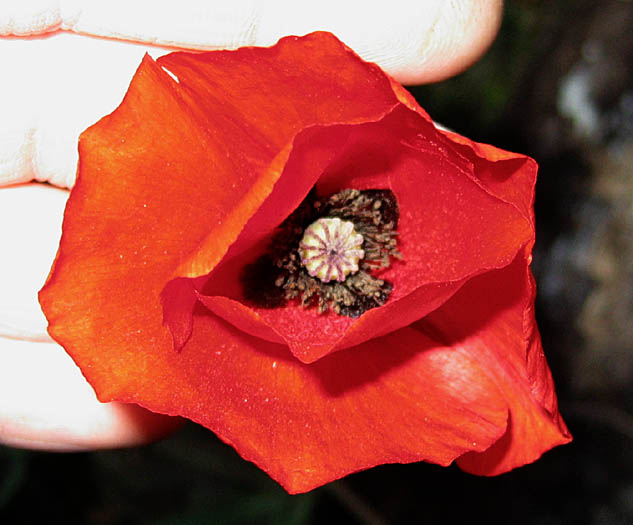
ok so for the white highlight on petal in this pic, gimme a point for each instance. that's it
(172, 75)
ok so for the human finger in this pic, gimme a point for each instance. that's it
(45, 403)
(413, 40)
(31, 218)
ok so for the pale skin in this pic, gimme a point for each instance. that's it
(65, 67)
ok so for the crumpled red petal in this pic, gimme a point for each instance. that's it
(491, 320)
(446, 219)
(399, 398)
(183, 184)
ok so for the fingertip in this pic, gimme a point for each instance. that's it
(31, 215)
(462, 33)
(29, 18)
(415, 41)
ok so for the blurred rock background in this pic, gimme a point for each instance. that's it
(557, 85)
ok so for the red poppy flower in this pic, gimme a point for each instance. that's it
(183, 186)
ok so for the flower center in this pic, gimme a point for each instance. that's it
(326, 254)
(330, 249)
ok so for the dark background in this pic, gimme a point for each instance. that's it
(557, 85)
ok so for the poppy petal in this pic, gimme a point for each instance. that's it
(491, 318)
(450, 229)
(399, 398)
(509, 176)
